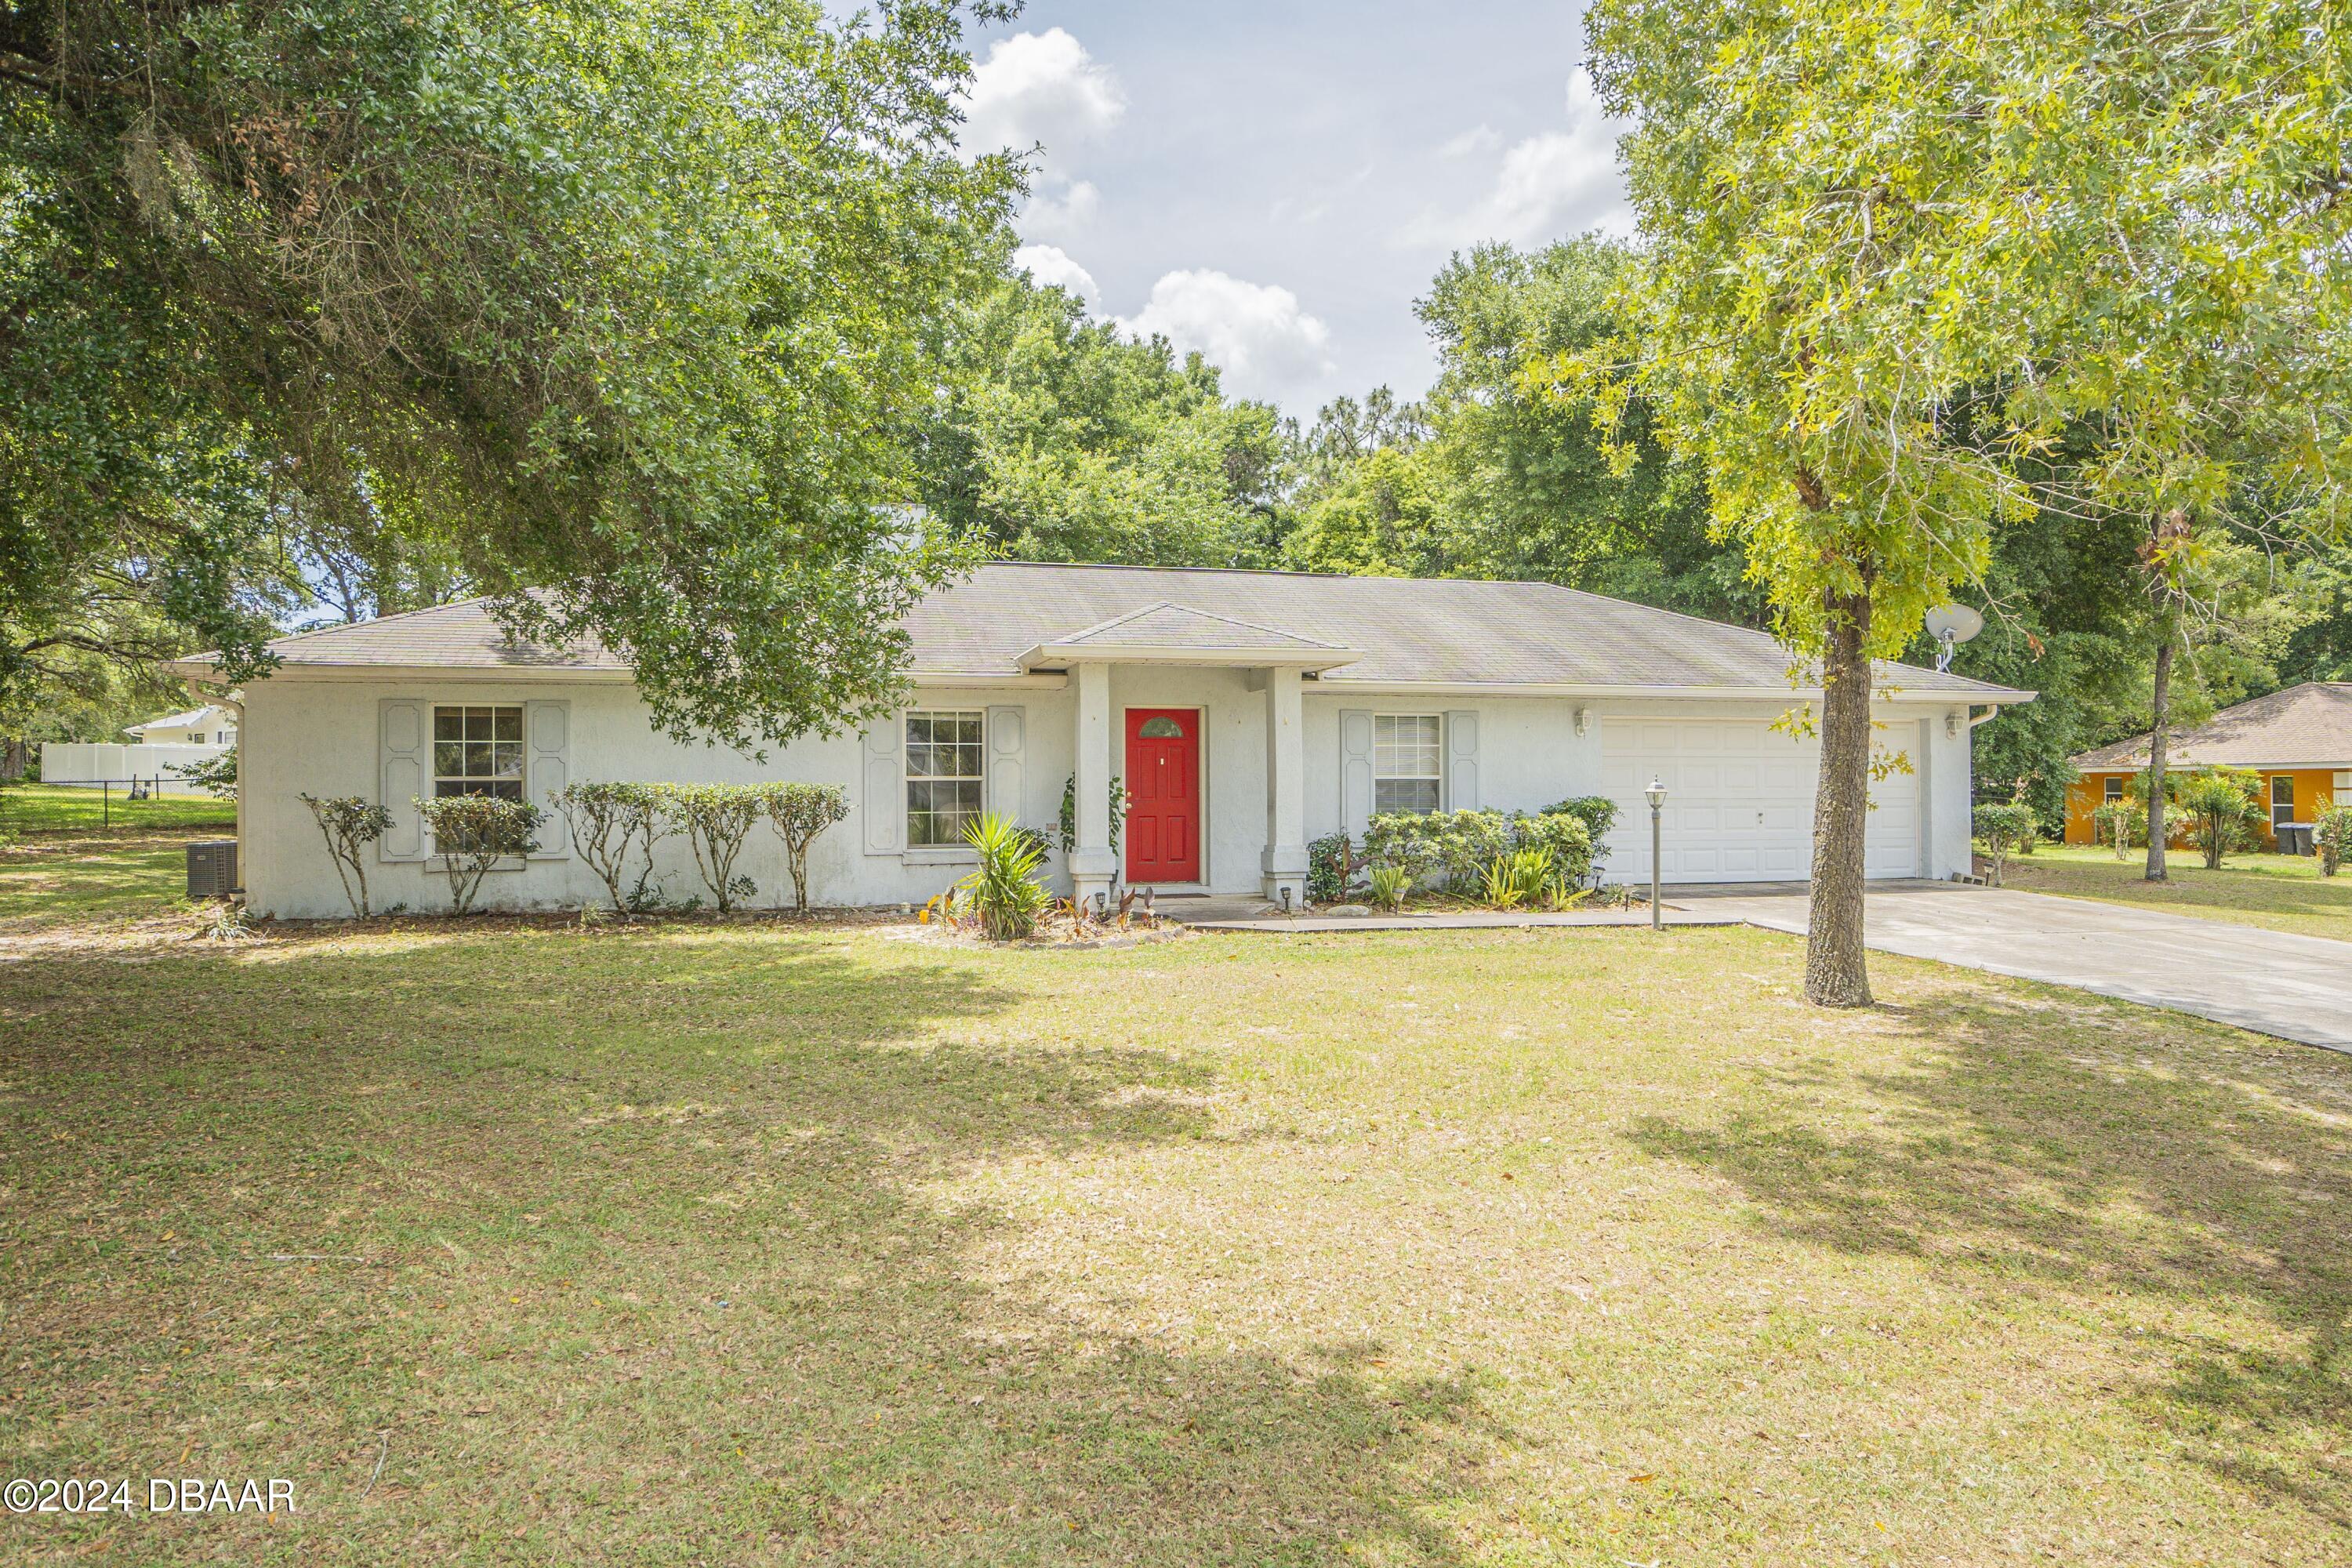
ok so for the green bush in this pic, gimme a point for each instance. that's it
(1460, 846)
(1331, 867)
(799, 812)
(472, 833)
(1002, 892)
(2223, 804)
(714, 819)
(2331, 835)
(1597, 812)
(2000, 827)
(607, 821)
(350, 825)
(2122, 824)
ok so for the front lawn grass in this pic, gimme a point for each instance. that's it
(702, 1243)
(2282, 892)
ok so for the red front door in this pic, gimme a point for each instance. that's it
(1163, 783)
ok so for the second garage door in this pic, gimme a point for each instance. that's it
(1739, 803)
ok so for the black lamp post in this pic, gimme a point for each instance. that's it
(1656, 795)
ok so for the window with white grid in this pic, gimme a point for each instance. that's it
(943, 775)
(1408, 761)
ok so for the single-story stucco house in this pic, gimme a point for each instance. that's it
(210, 725)
(1249, 712)
(2299, 739)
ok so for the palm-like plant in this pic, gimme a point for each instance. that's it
(1517, 878)
(1390, 886)
(1002, 892)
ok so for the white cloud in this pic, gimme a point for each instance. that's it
(1479, 138)
(1051, 265)
(1254, 332)
(1059, 206)
(1546, 187)
(1039, 88)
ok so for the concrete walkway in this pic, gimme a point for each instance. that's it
(2295, 988)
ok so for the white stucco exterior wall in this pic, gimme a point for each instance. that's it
(320, 735)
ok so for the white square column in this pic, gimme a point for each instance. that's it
(1284, 861)
(1093, 864)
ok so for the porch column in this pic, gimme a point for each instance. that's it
(1284, 860)
(1093, 865)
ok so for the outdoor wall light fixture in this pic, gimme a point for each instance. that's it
(1951, 723)
(1583, 720)
(1656, 795)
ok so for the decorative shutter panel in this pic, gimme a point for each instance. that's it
(1008, 741)
(1462, 761)
(404, 752)
(547, 728)
(886, 799)
(1356, 771)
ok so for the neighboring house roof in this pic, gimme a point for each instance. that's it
(1433, 632)
(2308, 725)
(193, 717)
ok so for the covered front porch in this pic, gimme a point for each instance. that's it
(1201, 718)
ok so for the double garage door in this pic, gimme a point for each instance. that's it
(1739, 801)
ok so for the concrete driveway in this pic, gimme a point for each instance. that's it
(2295, 987)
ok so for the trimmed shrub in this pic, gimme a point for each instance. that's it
(1002, 892)
(799, 812)
(1459, 846)
(2122, 824)
(606, 820)
(2331, 835)
(2000, 827)
(472, 833)
(1597, 812)
(350, 825)
(714, 819)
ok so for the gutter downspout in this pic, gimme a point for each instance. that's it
(1986, 717)
(197, 693)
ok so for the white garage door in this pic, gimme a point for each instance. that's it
(1739, 801)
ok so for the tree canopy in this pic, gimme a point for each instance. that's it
(620, 309)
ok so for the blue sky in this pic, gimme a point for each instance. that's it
(1274, 183)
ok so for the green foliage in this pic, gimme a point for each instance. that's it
(1331, 865)
(2002, 829)
(799, 812)
(1597, 812)
(1002, 892)
(1459, 846)
(1066, 825)
(1060, 438)
(714, 819)
(1389, 885)
(216, 776)
(608, 822)
(619, 309)
(2331, 835)
(350, 825)
(472, 833)
(1519, 878)
(2121, 824)
(2223, 804)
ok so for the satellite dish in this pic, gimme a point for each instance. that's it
(1950, 625)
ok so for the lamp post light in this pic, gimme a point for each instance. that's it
(1656, 795)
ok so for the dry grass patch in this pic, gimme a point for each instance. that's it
(754, 1243)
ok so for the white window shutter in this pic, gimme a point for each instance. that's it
(404, 772)
(1008, 741)
(886, 795)
(1356, 772)
(1462, 761)
(547, 729)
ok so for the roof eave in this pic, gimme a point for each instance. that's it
(1061, 654)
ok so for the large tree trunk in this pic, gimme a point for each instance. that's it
(1837, 973)
(2162, 705)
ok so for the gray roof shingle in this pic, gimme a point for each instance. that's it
(1416, 631)
(2308, 725)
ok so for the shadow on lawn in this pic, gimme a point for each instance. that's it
(666, 1259)
(2081, 1167)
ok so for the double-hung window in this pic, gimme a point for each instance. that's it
(478, 751)
(2282, 800)
(2115, 793)
(1408, 761)
(943, 777)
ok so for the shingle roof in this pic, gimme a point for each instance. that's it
(2308, 725)
(1422, 631)
(1171, 626)
(172, 720)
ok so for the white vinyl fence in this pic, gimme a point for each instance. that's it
(95, 763)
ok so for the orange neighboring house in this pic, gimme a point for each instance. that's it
(2299, 739)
